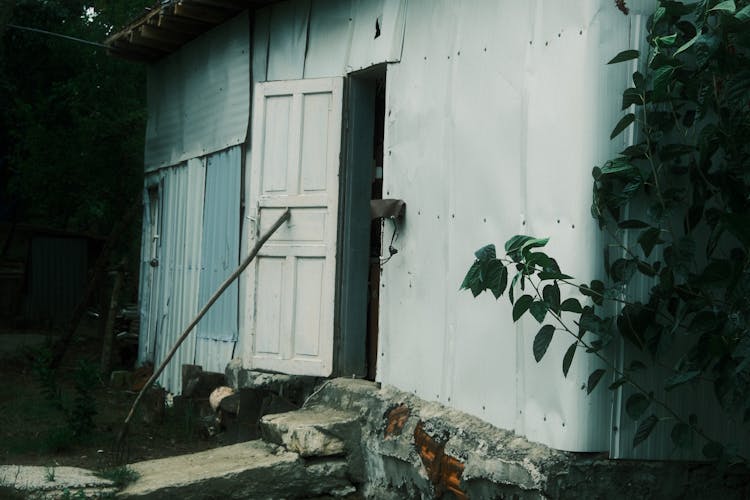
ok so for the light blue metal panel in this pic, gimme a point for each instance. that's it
(221, 243)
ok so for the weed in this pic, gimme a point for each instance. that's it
(49, 473)
(46, 377)
(81, 416)
(120, 476)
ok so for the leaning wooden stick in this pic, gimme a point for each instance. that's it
(284, 217)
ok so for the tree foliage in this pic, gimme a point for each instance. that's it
(676, 207)
(71, 131)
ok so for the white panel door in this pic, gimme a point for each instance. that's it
(296, 140)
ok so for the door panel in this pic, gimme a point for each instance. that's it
(295, 164)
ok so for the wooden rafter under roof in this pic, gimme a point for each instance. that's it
(170, 24)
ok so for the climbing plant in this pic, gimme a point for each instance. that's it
(675, 208)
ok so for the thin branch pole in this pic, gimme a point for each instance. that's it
(284, 217)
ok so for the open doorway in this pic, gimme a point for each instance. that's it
(360, 237)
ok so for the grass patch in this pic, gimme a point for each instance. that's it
(120, 476)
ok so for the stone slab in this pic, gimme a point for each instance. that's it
(316, 431)
(250, 470)
(42, 483)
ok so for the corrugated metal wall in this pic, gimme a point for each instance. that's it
(198, 209)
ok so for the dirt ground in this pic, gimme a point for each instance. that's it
(38, 430)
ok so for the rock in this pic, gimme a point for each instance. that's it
(295, 388)
(153, 405)
(221, 392)
(198, 384)
(312, 431)
(120, 379)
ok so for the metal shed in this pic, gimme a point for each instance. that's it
(484, 116)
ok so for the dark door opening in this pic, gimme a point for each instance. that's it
(360, 237)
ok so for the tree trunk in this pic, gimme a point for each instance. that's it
(109, 334)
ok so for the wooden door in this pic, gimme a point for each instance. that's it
(296, 142)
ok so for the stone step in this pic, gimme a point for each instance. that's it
(250, 470)
(315, 431)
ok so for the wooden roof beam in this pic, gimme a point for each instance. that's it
(212, 15)
(171, 39)
(181, 25)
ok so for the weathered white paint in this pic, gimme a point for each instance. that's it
(199, 97)
(295, 164)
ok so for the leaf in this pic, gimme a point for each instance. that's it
(472, 280)
(486, 252)
(568, 358)
(515, 243)
(726, 6)
(649, 239)
(680, 378)
(521, 306)
(625, 55)
(571, 305)
(632, 224)
(553, 275)
(668, 40)
(662, 78)
(686, 45)
(624, 123)
(636, 405)
(594, 379)
(645, 269)
(682, 435)
(622, 270)
(644, 430)
(595, 290)
(538, 309)
(511, 290)
(617, 383)
(551, 295)
(494, 277)
(743, 14)
(498, 288)
(632, 96)
(542, 341)
(639, 80)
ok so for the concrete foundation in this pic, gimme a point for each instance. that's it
(416, 449)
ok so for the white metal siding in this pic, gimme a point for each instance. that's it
(495, 116)
(199, 97)
(322, 38)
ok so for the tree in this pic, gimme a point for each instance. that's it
(71, 133)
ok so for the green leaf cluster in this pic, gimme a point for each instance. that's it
(73, 120)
